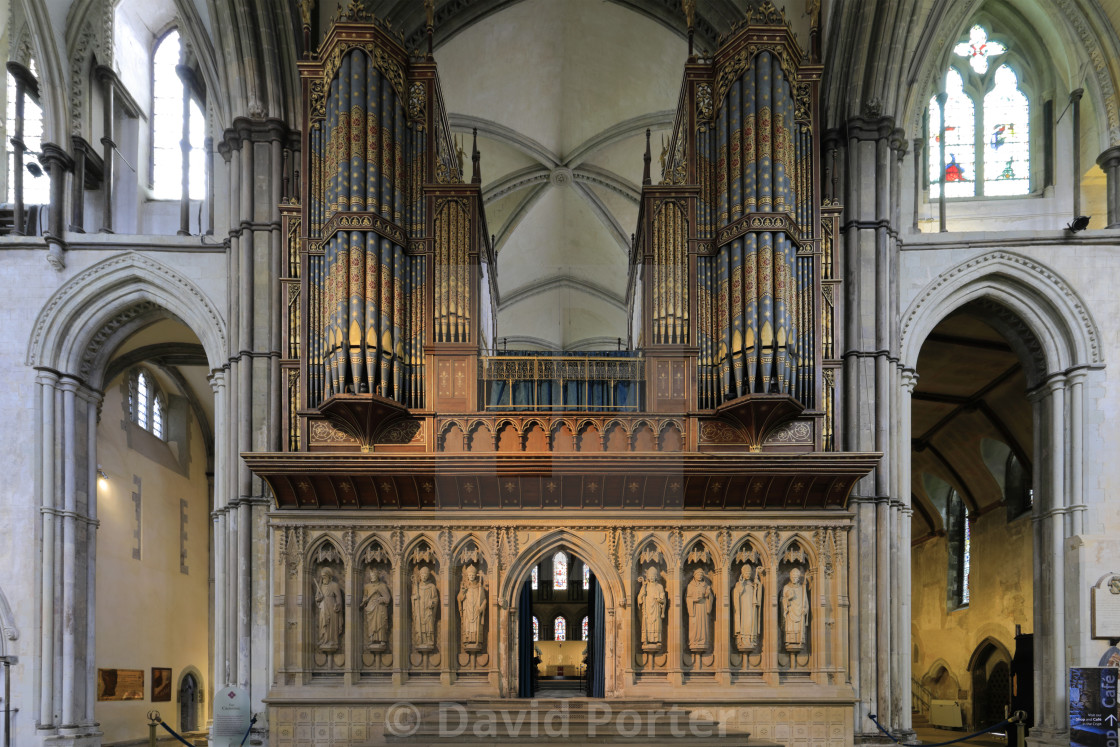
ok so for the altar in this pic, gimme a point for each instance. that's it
(561, 658)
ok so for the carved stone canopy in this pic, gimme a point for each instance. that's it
(520, 481)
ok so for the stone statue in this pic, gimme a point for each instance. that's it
(746, 607)
(652, 604)
(330, 600)
(472, 610)
(425, 603)
(375, 601)
(699, 601)
(795, 611)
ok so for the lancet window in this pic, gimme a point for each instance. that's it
(146, 405)
(168, 91)
(536, 628)
(560, 571)
(560, 629)
(986, 124)
(583, 629)
(36, 187)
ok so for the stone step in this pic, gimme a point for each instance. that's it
(554, 721)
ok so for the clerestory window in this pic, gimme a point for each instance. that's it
(167, 126)
(987, 124)
(36, 188)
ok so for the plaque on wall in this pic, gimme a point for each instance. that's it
(161, 684)
(120, 684)
(1106, 607)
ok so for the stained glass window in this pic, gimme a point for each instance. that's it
(535, 577)
(36, 189)
(560, 629)
(960, 141)
(167, 127)
(536, 629)
(966, 561)
(987, 126)
(1006, 145)
(583, 628)
(978, 49)
(586, 576)
(560, 571)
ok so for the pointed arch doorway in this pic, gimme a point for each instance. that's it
(561, 626)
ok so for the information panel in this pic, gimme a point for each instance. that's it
(1093, 716)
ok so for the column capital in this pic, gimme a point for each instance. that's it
(55, 155)
(909, 379)
(1109, 158)
(47, 377)
(217, 379)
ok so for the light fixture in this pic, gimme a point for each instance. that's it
(1080, 223)
(34, 169)
(101, 474)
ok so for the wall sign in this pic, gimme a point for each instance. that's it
(1094, 720)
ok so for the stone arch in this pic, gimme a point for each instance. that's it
(1056, 332)
(544, 547)
(711, 544)
(80, 326)
(191, 671)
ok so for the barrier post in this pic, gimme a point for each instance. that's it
(153, 722)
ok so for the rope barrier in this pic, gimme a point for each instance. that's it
(175, 734)
(178, 736)
(890, 736)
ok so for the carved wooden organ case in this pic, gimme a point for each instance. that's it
(734, 250)
(402, 474)
(387, 252)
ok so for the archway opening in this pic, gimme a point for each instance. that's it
(973, 540)
(155, 466)
(561, 629)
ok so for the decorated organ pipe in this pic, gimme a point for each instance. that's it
(384, 277)
(730, 239)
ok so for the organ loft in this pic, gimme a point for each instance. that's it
(428, 476)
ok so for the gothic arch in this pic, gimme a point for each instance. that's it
(79, 327)
(1060, 333)
(544, 547)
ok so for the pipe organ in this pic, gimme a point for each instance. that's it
(424, 475)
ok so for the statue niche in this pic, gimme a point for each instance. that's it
(794, 606)
(747, 596)
(376, 606)
(699, 607)
(328, 611)
(472, 601)
(424, 605)
(651, 610)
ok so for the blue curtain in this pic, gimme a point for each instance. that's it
(590, 395)
(596, 644)
(525, 642)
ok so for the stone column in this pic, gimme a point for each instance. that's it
(1051, 704)
(68, 518)
(78, 185)
(58, 162)
(108, 80)
(219, 672)
(93, 405)
(46, 713)
(1109, 161)
(878, 569)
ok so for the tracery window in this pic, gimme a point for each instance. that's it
(560, 571)
(560, 629)
(586, 577)
(36, 189)
(535, 578)
(987, 124)
(583, 628)
(536, 629)
(167, 126)
(146, 405)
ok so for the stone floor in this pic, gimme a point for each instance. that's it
(928, 735)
